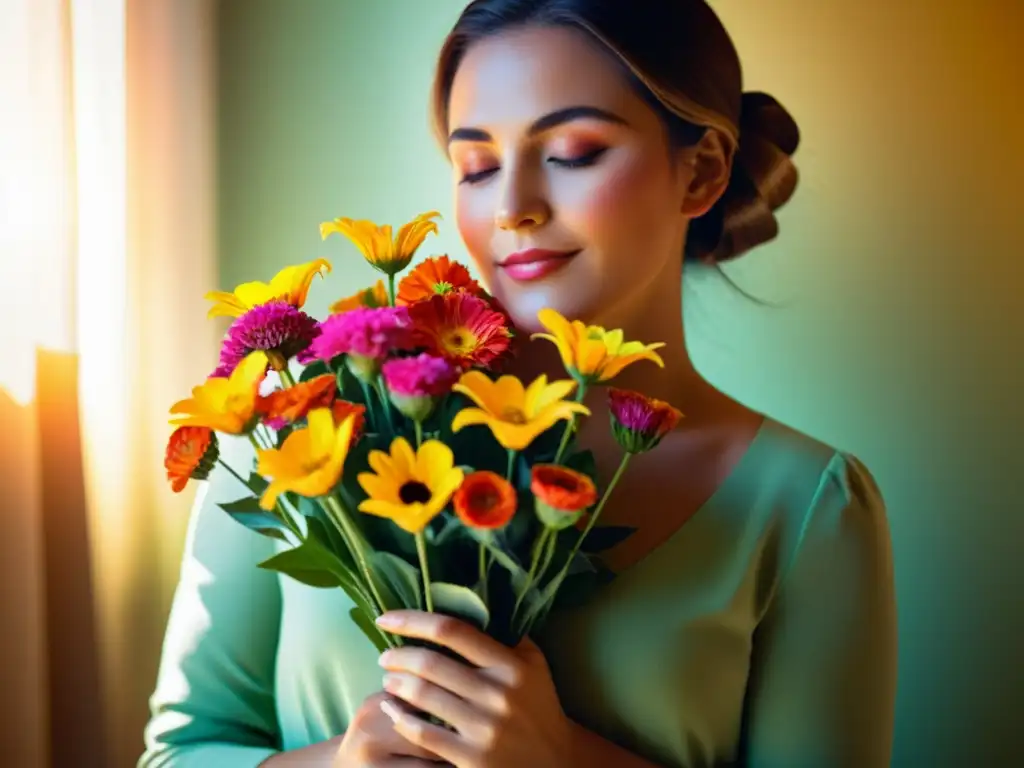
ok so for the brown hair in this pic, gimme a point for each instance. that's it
(679, 57)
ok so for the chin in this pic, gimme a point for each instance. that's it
(524, 302)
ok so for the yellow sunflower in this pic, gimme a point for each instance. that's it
(516, 415)
(410, 487)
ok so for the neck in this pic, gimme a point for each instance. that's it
(655, 317)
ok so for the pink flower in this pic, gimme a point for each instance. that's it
(368, 333)
(425, 375)
(639, 422)
(277, 328)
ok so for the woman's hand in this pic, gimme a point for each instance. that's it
(371, 741)
(505, 709)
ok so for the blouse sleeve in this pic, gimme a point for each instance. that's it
(214, 699)
(824, 676)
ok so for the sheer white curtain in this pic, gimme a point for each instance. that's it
(107, 245)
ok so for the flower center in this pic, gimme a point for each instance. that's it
(513, 415)
(414, 492)
(460, 341)
(442, 288)
(484, 499)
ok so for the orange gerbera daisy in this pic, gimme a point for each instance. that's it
(436, 275)
(485, 500)
(460, 327)
(286, 406)
(191, 454)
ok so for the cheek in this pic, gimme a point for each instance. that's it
(630, 204)
(474, 218)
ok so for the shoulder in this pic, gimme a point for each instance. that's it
(822, 503)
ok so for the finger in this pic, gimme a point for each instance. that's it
(433, 700)
(460, 679)
(407, 762)
(446, 744)
(466, 640)
(392, 743)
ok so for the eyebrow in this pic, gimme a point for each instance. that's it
(545, 123)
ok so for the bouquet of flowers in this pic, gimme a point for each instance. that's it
(402, 465)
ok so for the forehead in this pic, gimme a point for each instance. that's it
(519, 75)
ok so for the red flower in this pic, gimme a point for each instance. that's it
(460, 327)
(435, 276)
(191, 454)
(485, 500)
(562, 488)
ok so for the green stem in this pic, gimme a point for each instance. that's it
(286, 377)
(581, 392)
(549, 554)
(538, 546)
(596, 514)
(421, 550)
(391, 289)
(371, 415)
(511, 464)
(237, 476)
(382, 392)
(483, 567)
(419, 434)
(341, 519)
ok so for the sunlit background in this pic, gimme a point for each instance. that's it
(152, 150)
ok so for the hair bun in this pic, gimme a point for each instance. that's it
(763, 179)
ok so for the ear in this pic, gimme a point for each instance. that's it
(709, 164)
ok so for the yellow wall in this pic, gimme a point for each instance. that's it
(901, 335)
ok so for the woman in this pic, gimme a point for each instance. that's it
(595, 145)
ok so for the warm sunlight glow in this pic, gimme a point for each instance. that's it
(36, 231)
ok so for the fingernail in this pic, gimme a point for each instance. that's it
(385, 658)
(390, 710)
(388, 621)
(390, 683)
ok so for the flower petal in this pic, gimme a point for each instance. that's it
(550, 393)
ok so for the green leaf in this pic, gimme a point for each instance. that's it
(402, 578)
(604, 537)
(314, 369)
(257, 484)
(313, 564)
(461, 602)
(369, 628)
(583, 461)
(248, 512)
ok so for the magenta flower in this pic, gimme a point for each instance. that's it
(277, 328)
(365, 336)
(424, 375)
(639, 422)
(416, 384)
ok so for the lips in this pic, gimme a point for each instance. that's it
(534, 263)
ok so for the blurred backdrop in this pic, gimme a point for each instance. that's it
(150, 151)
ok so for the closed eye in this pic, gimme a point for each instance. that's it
(478, 176)
(580, 161)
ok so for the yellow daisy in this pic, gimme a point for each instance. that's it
(388, 254)
(410, 488)
(291, 284)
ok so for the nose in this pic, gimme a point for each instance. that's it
(522, 204)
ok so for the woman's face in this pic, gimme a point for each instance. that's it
(567, 195)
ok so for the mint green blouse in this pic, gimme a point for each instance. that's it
(761, 634)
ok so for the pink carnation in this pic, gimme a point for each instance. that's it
(425, 375)
(368, 332)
